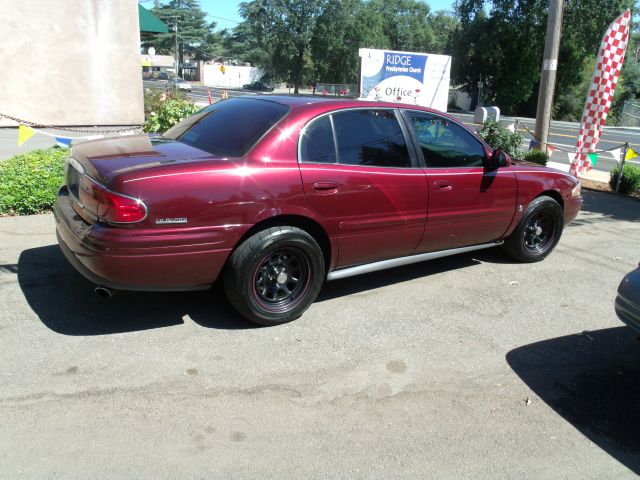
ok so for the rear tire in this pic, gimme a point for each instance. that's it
(538, 232)
(275, 275)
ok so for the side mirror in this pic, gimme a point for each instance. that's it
(497, 159)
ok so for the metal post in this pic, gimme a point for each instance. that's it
(175, 30)
(517, 127)
(549, 69)
(621, 172)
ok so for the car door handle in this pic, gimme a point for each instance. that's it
(442, 185)
(325, 187)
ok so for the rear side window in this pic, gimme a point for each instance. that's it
(229, 128)
(370, 137)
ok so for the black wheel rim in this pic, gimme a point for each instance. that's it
(281, 279)
(540, 232)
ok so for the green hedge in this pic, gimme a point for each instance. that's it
(630, 179)
(501, 137)
(30, 181)
(537, 156)
(162, 110)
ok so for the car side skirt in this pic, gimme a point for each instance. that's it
(399, 262)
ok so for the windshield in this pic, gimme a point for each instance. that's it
(228, 128)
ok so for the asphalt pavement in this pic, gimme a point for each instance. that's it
(466, 367)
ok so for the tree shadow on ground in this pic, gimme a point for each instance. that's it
(605, 207)
(65, 302)
(591, 380)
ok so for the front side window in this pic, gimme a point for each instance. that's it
(444, 143)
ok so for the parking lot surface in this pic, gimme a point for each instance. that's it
(466, 367)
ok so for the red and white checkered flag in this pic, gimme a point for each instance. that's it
(603, 86)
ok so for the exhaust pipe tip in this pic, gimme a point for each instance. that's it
(103, 292)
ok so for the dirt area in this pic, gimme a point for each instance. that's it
(604, 187)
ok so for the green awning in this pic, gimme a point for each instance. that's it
(149, 22)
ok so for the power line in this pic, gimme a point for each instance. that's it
(222, 18)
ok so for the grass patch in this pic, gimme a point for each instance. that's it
(29, 182)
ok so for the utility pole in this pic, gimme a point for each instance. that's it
(549, 69)
(175, 31)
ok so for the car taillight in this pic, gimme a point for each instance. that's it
(110, 206)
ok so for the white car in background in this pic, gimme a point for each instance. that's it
(179, 83)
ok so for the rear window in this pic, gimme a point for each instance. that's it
(229, 128)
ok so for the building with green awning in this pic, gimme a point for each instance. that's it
(149, 23)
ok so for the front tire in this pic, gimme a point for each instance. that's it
(275, 275)
(538, 232)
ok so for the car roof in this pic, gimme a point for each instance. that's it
(329, 103)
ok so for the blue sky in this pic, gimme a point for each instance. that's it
(225, 12)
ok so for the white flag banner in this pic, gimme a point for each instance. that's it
(512, 128)
(616, 154)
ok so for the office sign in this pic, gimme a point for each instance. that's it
(405, 77)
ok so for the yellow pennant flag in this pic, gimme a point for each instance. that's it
(24, 134)
(631, 154)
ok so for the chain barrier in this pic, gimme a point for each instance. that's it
(132, 129)
(539, 140)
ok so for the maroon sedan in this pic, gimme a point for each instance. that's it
(275, 195)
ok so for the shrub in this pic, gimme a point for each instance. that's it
(29, 182)
(162, 110)
(500, 137)
(537, 156)
(630, 179)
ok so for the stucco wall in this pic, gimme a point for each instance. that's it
(71, 62)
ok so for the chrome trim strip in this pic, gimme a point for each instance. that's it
(398, 262)
(77, 165)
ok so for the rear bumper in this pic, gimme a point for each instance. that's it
(141, 259)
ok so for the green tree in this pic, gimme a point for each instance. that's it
(285, 29)
(405, 23)
(348, 25)
(506, 47)
(335, 43)
(444, 26)
(196, 36)
(242, 45)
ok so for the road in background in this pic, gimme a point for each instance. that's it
(564, 136)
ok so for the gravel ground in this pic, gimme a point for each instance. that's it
(466, 367)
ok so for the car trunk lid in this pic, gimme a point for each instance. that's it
(105, 159)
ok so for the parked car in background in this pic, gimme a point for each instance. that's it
(258, 87)
(277, 194)
(628, 301)
(179, 83)
(163, 76)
